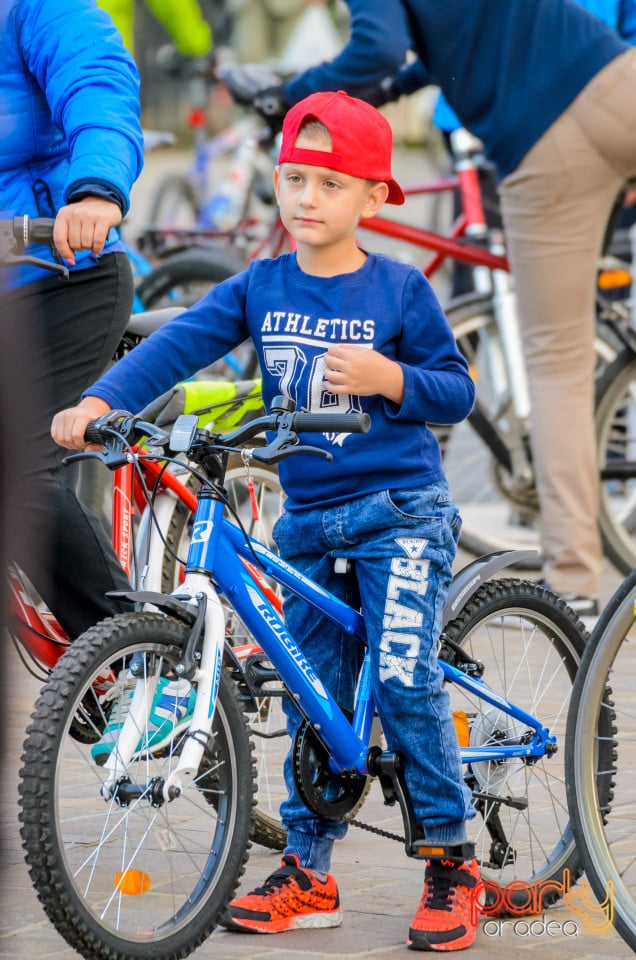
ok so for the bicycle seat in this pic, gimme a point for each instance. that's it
(143, 324)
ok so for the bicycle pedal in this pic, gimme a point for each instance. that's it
(429, 850)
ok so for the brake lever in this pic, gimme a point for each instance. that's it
(274, 455)
(16, 261)
(110, 458)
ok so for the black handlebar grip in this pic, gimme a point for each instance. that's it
(41, 230)
(28, 230)
(93, 434)
(331, 422)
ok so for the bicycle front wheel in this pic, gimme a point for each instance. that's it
(129, 874)
(530, 644)
(601, 737)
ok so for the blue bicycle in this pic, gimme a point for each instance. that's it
(136, 853)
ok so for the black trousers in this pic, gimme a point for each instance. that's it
(73, 328)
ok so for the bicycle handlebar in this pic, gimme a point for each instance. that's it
(331, 422)
(120, 425)
(21, 231)
(18, 233)
(246, 81)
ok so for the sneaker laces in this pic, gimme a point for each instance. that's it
(441, 882)
(287, 872)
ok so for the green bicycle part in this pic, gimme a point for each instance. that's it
(220, 405)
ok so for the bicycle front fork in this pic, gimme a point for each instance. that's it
(206, 672)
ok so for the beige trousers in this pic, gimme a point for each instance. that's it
(555, 208)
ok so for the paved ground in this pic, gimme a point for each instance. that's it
(379, 886)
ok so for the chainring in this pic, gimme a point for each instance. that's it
(327, 794)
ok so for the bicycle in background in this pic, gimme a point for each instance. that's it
(230, 177)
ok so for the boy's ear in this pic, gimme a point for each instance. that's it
(376, 198)
(276, 177)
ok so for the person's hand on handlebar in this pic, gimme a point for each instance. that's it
(69, 426)
(84, 225)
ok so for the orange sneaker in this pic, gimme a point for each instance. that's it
(445, 919)
(292, 898)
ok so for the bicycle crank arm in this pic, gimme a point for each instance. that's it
(502, 853)
(389, 768)
(517, 803)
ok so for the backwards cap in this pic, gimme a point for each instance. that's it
(361, 139)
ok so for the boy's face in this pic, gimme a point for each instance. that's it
(320, 206)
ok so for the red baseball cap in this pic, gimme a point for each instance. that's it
(361, 138)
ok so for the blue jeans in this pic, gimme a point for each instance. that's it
(403, 543)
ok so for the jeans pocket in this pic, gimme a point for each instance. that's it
(425, 505)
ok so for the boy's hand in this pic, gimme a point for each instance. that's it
(363, 372)
(84, 226)
(69, 426)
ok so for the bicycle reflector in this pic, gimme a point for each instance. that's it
(614, 279)
(462, 728)
(132, 882)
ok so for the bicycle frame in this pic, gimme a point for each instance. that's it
(349, 752)
(218, 552)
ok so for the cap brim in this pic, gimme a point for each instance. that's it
(396, 194)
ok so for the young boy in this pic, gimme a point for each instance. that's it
(339, 329)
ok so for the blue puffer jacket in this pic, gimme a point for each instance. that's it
(69, 113)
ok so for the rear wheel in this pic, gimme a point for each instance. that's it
(183, 278)
(174, 204)
(530, 644)
(616, 434)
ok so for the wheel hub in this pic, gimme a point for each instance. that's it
(497, 777)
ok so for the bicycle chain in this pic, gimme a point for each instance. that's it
(377, 830)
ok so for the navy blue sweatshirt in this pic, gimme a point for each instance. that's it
(293, 318)
(509, 68)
